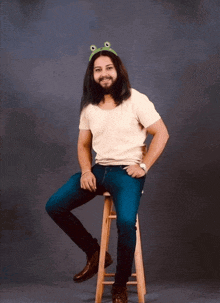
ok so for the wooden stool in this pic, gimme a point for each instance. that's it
(108, 215)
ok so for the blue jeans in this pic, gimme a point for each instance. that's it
(126, 192)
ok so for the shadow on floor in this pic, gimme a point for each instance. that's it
(69, 292)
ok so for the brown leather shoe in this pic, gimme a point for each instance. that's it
(91, 267)
(119, 294)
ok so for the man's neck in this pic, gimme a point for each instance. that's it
(107, 103)
(108, 99)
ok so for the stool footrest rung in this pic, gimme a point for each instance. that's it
(112, 275)
(112, 282)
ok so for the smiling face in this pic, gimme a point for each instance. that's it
(104, 72)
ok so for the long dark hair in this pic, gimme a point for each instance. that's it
(93, 92)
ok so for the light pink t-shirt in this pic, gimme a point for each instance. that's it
(118, 134)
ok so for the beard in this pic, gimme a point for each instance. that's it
(107, 88)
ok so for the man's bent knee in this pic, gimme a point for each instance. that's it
(51, 207)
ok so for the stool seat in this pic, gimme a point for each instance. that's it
(106, 194)
(108, 215)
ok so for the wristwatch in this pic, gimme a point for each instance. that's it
(144, 167)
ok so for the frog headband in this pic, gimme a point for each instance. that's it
(95, 50)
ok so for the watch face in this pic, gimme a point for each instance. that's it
(143, 166)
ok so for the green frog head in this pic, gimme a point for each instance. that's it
(95, 50)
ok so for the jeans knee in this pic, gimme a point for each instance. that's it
(51, 206)
(126, 226)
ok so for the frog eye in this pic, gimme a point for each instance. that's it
(107, 44)
(93, 48)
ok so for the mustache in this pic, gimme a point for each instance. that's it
(105, 78)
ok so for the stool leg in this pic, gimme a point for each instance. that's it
(103, 247)
(141, 286)
(109, 221)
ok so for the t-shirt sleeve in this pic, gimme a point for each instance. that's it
(83, 122)
(145, 111)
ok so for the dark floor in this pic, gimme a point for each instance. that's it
(68, 292)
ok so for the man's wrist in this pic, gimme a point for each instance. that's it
(144, 167)
(85, 172)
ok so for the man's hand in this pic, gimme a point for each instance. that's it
(88, 181)
(135, 171)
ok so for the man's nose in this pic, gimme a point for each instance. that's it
(104, 73)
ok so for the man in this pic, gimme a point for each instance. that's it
(115, 121)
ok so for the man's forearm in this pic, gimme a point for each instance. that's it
(156, 148)
(85, 158)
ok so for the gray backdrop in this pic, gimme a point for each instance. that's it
(171, 51)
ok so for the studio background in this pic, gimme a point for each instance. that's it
(171, 51)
